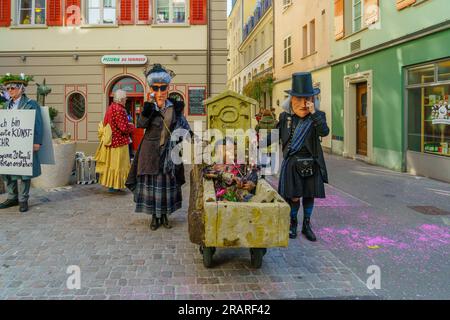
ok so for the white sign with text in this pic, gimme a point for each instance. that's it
(16, 142)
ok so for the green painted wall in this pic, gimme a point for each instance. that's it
(392, 24)
(387, 67)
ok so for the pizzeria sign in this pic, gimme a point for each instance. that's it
(124, 59)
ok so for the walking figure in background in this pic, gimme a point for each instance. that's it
(112, 156)
(154, 178)
(303, 171)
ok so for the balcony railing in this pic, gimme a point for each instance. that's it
(261, 8)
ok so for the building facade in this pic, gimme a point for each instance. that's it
(251, 56)
(390, 84)
(301, 44)
(87, 49)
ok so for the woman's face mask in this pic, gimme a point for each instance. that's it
(299, 106)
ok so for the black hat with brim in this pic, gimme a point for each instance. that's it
(302, 85)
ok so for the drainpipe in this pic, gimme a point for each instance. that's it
(208, 49)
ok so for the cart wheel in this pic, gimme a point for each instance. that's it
(256, 257)
(208, 253)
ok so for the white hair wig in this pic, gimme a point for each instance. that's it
(158, 77)
(286, 105)
(120, 95)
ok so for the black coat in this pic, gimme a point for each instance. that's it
(311, 186)
(147, 160)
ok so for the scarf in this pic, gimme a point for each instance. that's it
(297, 142)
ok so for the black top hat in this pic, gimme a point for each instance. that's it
(302, 85)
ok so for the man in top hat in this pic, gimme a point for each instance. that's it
(18, 187)
(303, 171)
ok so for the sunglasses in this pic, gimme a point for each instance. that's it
(159, 88)
(11, 88)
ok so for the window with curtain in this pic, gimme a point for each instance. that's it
(101, 12)
(31, 12)
(171, 11)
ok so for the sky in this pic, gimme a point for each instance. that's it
(228, 7)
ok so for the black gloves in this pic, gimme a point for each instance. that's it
(149, 108)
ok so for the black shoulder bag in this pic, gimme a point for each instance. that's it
(304, 166)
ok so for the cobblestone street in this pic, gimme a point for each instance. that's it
(365, 220)
(120, 258)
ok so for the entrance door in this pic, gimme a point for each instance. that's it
(361, 119)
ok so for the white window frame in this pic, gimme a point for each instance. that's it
(101, 8)
(33, 11)
(155, 4)
(287, 50)
(361, 17)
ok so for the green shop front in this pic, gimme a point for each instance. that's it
(391, 107)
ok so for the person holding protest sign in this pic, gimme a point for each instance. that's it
(18, 187)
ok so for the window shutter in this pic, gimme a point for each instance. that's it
(338, 19)
(126, 12)
(72, 12)
(5, 13)
(198, 12)
(54, 12)
(144, 16)
(401, 4)
(371, 11)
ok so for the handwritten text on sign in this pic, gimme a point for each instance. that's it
(16, 142)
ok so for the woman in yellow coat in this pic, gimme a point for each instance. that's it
(112, 157)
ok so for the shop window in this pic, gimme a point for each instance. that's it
(429, 116)
(101, 12)
(424, 74)
(170, 11)
(76, 106)
(130, 85)
(31, 12)
(444, 71)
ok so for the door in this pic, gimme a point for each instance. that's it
(361, 119)
(135, 105)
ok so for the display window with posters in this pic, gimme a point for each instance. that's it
(428, 121)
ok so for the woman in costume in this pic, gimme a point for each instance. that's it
(154, 178)
(303, 171)
(113, 161)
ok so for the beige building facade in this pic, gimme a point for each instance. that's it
(107, 46)
(302, 45)
(252, 57)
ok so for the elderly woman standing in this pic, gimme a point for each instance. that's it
(303, 171)
(153, 179)
(113, 160)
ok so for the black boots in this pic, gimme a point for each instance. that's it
(155, 223)
(307, 231)
(165, 222)
(9, 203)
(23, 206)
(293, 228)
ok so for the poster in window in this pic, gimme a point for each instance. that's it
(196, 97)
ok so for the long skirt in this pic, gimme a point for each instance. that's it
(157, 194)
(113, 166)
